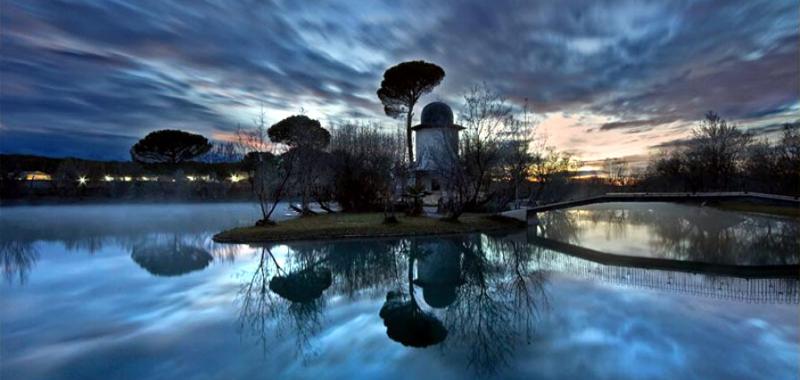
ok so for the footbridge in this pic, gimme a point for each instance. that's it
(527, 214)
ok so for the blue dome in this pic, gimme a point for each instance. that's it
(437, 113)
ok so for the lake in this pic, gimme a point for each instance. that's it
(142, 292)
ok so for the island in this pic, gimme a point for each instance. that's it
(364, 225)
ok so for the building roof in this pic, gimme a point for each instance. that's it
(437, 115)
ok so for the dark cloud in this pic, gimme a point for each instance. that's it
(773, 128)
(123, 69)
(677, 143)
(634, 123)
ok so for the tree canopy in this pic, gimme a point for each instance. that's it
(169, 146)
(299, 131)
(401, 88)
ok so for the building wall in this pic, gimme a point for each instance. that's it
(431, 142)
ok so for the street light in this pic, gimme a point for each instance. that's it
(82, 181)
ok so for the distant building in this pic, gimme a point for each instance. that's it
(436, 144)
(34, 176)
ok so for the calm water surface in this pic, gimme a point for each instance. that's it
(134, 292)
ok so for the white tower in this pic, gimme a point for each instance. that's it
(436, 140)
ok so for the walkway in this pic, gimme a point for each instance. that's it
(524, 214)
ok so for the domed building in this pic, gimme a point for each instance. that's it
(436, 144)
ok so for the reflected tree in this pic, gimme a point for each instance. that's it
(689, 233)
(283, 298)
(366, 265)
(482, 294)
(257, 306)
(405, 320)
(497, 306)
(170, 258)
(17, 259)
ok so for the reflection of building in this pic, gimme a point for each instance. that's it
(436, 144)
(439, 274)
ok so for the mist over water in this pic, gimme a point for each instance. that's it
(141, 291)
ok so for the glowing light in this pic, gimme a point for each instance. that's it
(35, 176)
(127, 179)
(190, 178)
(235, 178)
(108, 178)
(82, 181)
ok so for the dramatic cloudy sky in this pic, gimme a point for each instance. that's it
(607, 78)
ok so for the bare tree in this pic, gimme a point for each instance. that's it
(223, 151)
(716, 152)
(619, 172)
(270, 182)
(256, 139)
(466, 168)
(495, 148)
(714, 158)
(518, 155)
(368, 165)
(269, 167)
(551, 168)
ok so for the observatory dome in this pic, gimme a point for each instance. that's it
(437, 113)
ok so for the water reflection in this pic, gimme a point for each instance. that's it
(490, 305)
(403, 317)
(163, 243)
(283, 298)
(170, 256)
(17, 258)
(678, 232)
(476, 296)
(496, 307)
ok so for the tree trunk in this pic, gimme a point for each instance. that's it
(409, 144)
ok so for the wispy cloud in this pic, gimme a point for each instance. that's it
(124, 69)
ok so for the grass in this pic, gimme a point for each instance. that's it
(345, 225)
(758, 208)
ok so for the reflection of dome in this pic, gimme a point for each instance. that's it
(406, 323)
(439, 296)
(437, 113)
(439, 273)
(170, 259)
(304, 286)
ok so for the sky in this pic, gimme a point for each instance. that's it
(606, 79)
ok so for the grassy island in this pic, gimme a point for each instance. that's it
(345, 225)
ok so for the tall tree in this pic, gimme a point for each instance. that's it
(306, 139)
(401, 88)
(299, 131)
(170, 147)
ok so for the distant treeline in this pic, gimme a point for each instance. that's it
(720, 156)
(36, 177)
